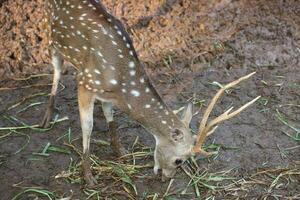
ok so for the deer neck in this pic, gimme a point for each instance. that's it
(151, 112)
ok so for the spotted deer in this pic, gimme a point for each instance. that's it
(85, 34)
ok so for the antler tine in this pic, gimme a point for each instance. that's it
(204, 129)
(227, 115)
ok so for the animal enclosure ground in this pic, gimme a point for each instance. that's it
(257, 152)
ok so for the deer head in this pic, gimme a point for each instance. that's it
(172, 151)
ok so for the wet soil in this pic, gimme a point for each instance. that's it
(186, 47)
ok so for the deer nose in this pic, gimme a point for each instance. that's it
(156, 170)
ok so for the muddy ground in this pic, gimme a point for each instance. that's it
(187, 47)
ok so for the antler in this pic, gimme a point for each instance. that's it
(205, 129)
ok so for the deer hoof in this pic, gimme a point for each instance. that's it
(120, 151)
(46, 119)
(48, 115)
(90, 179)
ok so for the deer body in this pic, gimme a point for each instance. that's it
(108, 67)
(95, 42)
(85, 34)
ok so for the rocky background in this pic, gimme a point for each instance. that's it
(189, 30)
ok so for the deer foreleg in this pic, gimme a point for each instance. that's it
(86, 108)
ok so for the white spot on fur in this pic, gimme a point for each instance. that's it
(113, 81)
(131, 64)
(135, 93)
(132, 72)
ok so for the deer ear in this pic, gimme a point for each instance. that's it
(187, 114)
(176, 135)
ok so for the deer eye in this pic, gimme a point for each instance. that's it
(176, 135)
(178, 162)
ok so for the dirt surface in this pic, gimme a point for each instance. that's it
(188, 47)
